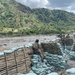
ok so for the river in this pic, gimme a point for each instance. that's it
(10, 42)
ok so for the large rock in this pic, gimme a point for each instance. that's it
(70, 71)
(51, 47)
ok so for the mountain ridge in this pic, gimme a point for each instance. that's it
(15, 16)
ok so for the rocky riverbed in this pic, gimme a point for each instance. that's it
(10, 42)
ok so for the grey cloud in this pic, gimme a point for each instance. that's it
(61, 3)
(67, 5)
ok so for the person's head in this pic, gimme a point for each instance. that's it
(36, 40)
(63, 35)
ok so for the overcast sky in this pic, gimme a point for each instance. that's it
(68, 5)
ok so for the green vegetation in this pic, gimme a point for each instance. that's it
(17, 19)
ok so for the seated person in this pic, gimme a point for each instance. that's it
(67, 36)
(37, 49)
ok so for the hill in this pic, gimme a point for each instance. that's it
(18, 19)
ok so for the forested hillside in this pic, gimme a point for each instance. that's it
(18, 19)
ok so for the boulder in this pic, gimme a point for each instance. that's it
(70, 71)
(51, 47)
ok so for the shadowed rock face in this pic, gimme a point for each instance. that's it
(51, 48)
